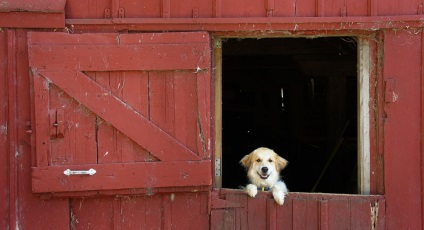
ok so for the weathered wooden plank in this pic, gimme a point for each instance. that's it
(106, 105)
(222, 219)
(189, 210)
(204, 98)
(256, 213)
(141, 212)
(361, 214)
(241, 220)
(121, 176)
(299, 214)
(120, 57)
(41, 112)
(173, 105)
(86, 213)
(339, 214)
(54, 38)
(77, 142)
(402, 132)
(312, 210)
(24, 19)
(132, 88)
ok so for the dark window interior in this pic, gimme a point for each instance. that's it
(297, 96)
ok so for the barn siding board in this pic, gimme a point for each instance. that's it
(4, 145)
(402, 130)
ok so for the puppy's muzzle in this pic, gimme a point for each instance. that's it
(264, 173)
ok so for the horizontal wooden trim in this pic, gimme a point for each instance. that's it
(122, 176)
(33, 6)
(82, 57)
(32, 20)
(252, 23)
(304, 196)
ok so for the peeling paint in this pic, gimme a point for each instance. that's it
(172, 197)
(395, 97)
(374, 215)
(3, 129)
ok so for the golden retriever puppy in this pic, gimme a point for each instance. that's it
(263, 170)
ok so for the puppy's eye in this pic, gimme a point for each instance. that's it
(270, 160)
(258, 160)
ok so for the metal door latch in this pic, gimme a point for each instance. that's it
(69, 172)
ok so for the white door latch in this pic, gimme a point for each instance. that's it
(69, 172)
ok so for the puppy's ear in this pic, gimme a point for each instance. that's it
(246, 161)
(281, 163)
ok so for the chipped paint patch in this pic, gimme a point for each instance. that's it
(374, 215)
(172, 197)
(395, 97)
(3, 129)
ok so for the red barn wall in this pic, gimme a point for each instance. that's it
(403, 126)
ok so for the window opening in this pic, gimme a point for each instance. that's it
(297, 96)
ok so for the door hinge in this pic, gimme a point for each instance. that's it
(217, 167)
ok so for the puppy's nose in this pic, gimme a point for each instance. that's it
(264, 169)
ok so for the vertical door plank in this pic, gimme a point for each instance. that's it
(338, 214)
(41, 109)
(241, 219)
(204, 97)
(361, 214)
(173, 105)
(299, 214)
(77, 144)
(285, 215)
(402, 134)
(189, 209)
(256, 213)
(89, 213)
(141, 212)
(223, 219)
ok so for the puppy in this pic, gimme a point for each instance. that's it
(263, 170)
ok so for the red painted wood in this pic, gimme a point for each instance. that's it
(239, 8)
(223, 219)
(107, 105)
(280, 26)
(305, 211)
(91, 213)
(422, 128)
(86, 105)
(299, 213)
(402, 132)
(132, 88)
(121, 176)
(241, 214)
(174, 107)
(12, 134)
(122, 57)
(77, 144)
(25, 210)
(33, 14)
(189, 211)
(204, 125)
(4, 171)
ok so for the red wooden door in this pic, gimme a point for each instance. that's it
(232, 209)
(120, 111)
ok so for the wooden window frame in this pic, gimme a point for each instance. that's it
(367, 58)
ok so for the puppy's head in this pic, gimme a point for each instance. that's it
(264, 166)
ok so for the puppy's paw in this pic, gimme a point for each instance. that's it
(279, 197)
(251, 190)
